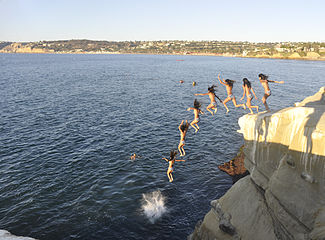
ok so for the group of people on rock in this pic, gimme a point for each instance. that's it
(212, 108)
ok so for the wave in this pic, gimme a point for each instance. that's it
(153, 205)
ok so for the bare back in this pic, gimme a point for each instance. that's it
(247, 91)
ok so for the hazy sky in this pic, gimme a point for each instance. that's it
(119, 20)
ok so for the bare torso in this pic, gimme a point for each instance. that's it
(212, 97)
(196, 113)
(265, 85)
(229, 89)
(247, 91)
(183, 134)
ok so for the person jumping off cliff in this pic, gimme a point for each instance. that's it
(171, 162)
(196, 110)
(267, 92)
(247, 88)
(183, 127)
(212, 95)
(229, 85)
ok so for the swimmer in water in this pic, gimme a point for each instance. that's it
(134, 156)
(267, 92)
(229, 85)
(247, 88)
(171, 162)
(183, 127)
(196, 110)
(212, 95)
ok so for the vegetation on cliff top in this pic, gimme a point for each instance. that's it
(286, 49)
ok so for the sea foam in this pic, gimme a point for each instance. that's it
(153, 205)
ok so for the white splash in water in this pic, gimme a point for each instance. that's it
(153, 205)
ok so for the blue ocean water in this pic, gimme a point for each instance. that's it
(69, 123)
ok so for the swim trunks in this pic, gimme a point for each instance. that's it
(231, 96)
(182, 142)
(170, 169)
(268, 92)
(250, 96)
(214, 104)
(197, 119)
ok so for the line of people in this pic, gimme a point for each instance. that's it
(247, 90)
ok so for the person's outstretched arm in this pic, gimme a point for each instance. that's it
(179, 127)
(190, 109)
(166, 159)
(180, 160)
(275, 81)
(201, 94)
(243, 93)
(253, 93)
(221, 81)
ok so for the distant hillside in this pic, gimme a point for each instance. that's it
(303, 50)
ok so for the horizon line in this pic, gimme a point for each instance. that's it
(162, 40)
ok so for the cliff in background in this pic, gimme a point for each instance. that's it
(283, 50)
(284, 195)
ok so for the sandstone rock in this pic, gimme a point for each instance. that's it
(313, 55)
(5, 235)
(235, 167)
(284, 195)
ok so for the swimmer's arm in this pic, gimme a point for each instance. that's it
(253, 93)
(190, 109)
(201, 112)
(201, 94)
(243, 93)
(165, 159)
(180, 160)
(220, 80)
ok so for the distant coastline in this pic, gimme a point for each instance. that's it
(292, 51)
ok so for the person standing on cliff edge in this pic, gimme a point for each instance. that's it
(267, 92)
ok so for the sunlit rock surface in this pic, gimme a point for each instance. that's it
(5, 235)
(284, 195)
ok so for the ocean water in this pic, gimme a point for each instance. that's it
(69, 123)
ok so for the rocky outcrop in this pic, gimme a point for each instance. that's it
(284, 195)
(235, 167)
(5, 235)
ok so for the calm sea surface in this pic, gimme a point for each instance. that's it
(69, 123)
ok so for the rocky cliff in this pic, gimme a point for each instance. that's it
(284, 195)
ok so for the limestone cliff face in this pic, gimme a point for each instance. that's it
(284, 196)
(24, 48)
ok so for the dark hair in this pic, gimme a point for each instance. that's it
(172, 155)
(197, 104)
(185, 126)
(229, 82)
(263, 76)
(247, 83)
(211, 89)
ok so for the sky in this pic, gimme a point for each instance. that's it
(150, 20)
